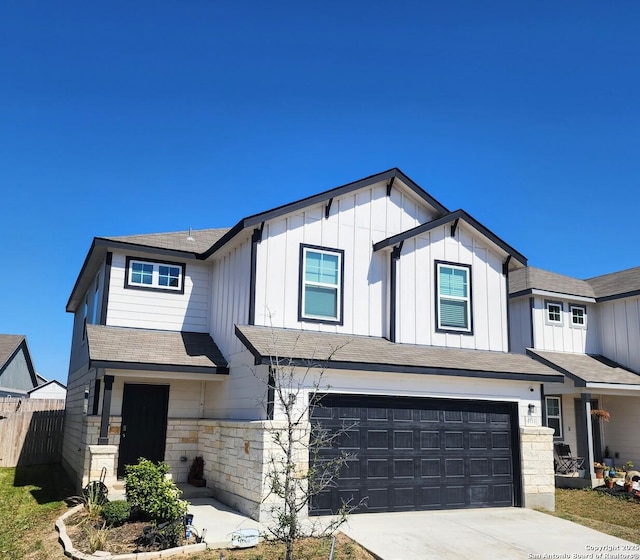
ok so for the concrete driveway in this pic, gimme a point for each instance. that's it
(497, 533)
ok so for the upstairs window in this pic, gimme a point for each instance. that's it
(320, 284)
(554, 312)
(578, 316)
(554, 415)
(453, 292)
(154, 275)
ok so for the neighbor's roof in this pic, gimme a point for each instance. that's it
(8, 345)
(145, 349)
(616, 284)
(586, 369)
(338, 351)
(524, 280)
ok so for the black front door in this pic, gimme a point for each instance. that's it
(144, 424)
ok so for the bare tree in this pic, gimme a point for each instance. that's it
(295, 473)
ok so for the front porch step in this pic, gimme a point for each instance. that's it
(567, 481)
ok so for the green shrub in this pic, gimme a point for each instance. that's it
(151, 494)
(116, 513)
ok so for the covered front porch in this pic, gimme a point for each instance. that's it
(596, 411)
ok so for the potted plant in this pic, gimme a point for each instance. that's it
(598, 468)
(196, 472)
(608, 482)
(600, 414)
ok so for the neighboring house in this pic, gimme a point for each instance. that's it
(174, 335)
(49, 390)
(17, 374)
(588, 330)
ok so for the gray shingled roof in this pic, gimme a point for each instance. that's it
(129, 348)
(616, 283)
(586, 368)
(8, 345)
(378, 354)
(535, 278)
(200, 241)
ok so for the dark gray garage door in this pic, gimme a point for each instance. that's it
(418, 454)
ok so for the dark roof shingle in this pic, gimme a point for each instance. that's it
(616, 283)
(587, 368)
(122, 347)
(8, 345)
(530, 278)
(378, 354)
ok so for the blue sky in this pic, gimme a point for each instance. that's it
(119, 118)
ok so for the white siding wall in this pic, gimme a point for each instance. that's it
(356, 221)
(620, 331)
(157, 309)
(620, 432)
(520, 324)
(565, 337)
(416, 294)
(435, 386)
(230, 296)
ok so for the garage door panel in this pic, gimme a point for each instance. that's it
(420, 453)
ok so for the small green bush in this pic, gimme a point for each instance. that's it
(116, 513)
(151, 494)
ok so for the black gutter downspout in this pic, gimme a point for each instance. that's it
(256, 237)
(395, 257)
(106, 409)
(505, 271)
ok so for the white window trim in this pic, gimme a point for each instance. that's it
(467, 270)
(575, 325)
(548, 319)
(304, 283)
(558, 416)
(155, 278)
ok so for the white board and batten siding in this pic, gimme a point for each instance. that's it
(565, 337)
(156, 309)
(230, 279)
(416, 295)
(620, 331)
(355, 222)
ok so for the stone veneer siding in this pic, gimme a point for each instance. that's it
(538, 482)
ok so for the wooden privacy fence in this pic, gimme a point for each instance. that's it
(30, 431)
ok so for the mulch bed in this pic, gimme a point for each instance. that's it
(619, 492)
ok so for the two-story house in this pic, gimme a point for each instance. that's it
(588, 330)
(175, 334)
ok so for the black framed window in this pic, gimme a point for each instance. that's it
(143, 274)
(453, 297)
(321, 284)
(554, 415)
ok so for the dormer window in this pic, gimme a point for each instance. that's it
(453, 292)
(554, 312)
(321, 281)
(144, 274)
(578, 316)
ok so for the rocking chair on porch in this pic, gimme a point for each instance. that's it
(564, 461)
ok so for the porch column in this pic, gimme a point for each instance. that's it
(585, 401)
(106, 410)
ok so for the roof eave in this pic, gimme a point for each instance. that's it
(261, 217)
(174, 368)
(444, 220)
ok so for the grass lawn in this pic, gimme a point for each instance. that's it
(617, 516)
(31, 498)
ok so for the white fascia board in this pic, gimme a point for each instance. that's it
(612, 386)
(545, 293)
